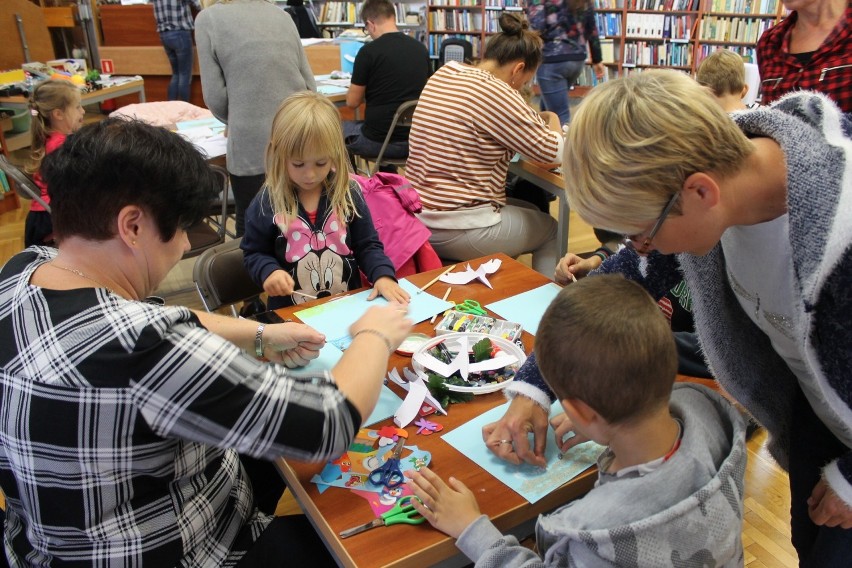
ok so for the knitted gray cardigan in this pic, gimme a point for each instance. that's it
(815, 138)
(251, 59)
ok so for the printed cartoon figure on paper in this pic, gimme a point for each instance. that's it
(370, 450)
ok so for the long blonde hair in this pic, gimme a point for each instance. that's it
(48, 96)
(307, 123)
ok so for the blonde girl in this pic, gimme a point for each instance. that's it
(309, 233)
(56, 111)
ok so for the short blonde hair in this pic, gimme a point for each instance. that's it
(723, 71)
(307, 123)
(634, 141)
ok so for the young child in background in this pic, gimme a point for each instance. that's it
(723, 72)
(670, 485)
(57, 111)
(309, 232)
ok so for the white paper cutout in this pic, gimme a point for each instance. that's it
(469, 275)
(413, 377)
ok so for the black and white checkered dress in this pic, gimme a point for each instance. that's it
(120, 424)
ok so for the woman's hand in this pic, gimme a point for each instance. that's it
(279, 283)
(571, 267)
(600, 69)
(292, 344)
(390, 291)
(508, 438)
(448, 508)
(389, 320)
(826, 508)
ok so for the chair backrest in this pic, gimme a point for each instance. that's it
(455, 49)
(209, 232)
(402, 118)
(221, 277)
(24, 185)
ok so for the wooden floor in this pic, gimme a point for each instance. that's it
(766, 530)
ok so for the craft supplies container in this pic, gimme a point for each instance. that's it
(456, 322)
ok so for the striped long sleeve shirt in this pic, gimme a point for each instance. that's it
(467, 126)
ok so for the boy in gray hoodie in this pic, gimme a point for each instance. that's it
(670, 486)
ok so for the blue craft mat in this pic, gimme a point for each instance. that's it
(530, 482)
(526, 308)
(334, 318)
(388, 400)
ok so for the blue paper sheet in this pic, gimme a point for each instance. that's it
(334, 318)
(530, 482)
(526, 308)
(388, 400)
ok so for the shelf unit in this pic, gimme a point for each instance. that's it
(336, 16)
(473, 20)
(676, 34)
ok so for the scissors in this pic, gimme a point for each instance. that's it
(470, 307)
(389, 473)
(401, 513)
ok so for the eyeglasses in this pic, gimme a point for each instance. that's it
(630, 239)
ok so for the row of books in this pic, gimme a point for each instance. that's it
(434, 43)
(666, 26)
(456, 3)
(588, 78)
(608, 4)
(659, 5)
(740, 30)
(748, 52)
(742, 6)
(340, 12)
(652, 53)
(455, 20)
(608, 24)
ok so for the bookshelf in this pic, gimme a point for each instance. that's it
(675, 34)
(336, 16)
(472, 20)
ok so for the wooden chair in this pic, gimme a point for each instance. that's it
(222, 279)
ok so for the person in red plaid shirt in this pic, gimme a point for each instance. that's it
(810, 50)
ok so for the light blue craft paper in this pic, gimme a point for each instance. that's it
(334, 318)
(330, 90)
(329, 356)
(348, 51)
(526, 308)
(213, 123)
(530, 482)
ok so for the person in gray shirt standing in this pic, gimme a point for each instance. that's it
(251, 59)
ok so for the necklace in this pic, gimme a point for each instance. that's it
(82, 275)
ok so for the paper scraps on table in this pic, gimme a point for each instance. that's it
(427, 427)
(469, 275)
(418, 393)
(369, 450)
(461, 361)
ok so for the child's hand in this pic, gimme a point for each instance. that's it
(390, 291)
(448, 509)
(279, 283)
(572, 267)
(562, 426)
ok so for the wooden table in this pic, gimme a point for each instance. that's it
(553, 183)
(22, 140)
(415, 546)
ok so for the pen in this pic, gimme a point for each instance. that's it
(435, 279)
(446, 295)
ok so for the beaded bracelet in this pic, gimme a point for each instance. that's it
(378, 334)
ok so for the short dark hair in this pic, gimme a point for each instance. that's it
(515, 42)
(108, 165)
(377, 10)
(604, 341)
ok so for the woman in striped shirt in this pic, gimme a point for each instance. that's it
(469, 122)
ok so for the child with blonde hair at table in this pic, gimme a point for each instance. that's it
(309, 233)
(670, 482)
(57, 111)
(723, 72)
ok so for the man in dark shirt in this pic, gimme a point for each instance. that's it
(388, 71)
